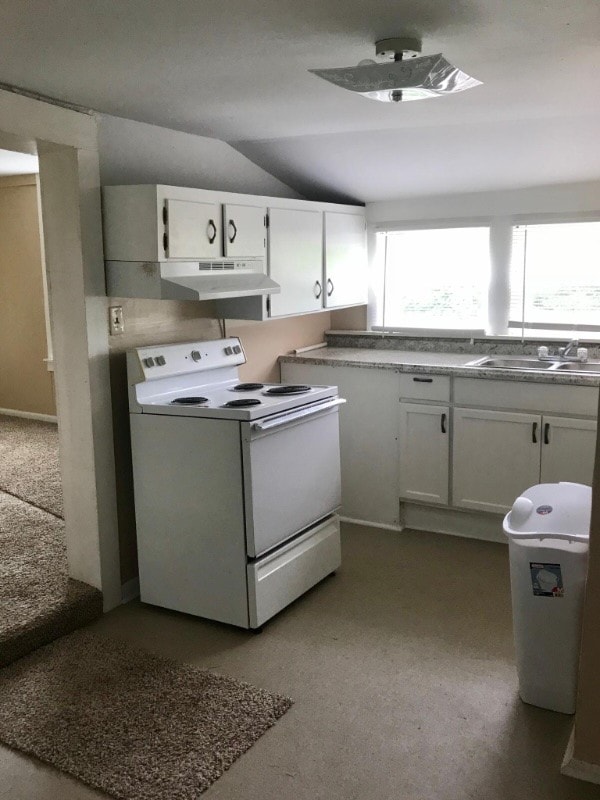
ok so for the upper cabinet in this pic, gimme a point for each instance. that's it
(345, 259)
(191, 230)
(316, 252)
(244, 231)
(296, 260)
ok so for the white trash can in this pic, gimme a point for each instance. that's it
(548, 531)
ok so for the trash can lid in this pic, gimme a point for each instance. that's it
(552, 508)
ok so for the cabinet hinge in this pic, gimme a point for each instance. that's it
(165, 214)
(165, 242)
(269, 304)
(266, 220)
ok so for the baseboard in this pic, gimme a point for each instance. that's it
(130, 590)
(369, 524)
(574, 768)
(11, 412)
(468, 524)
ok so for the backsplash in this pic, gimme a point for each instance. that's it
(377, 341)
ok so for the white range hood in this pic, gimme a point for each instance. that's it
(216, 279)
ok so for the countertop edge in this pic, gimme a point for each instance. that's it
(457, 370)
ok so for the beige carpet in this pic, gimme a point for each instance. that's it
(135, 725)
(29, 463)
(38, 601)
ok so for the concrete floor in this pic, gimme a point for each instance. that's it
(401, 668)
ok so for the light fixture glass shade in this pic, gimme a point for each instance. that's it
(413, 79)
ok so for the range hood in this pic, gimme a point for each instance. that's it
(216, 279)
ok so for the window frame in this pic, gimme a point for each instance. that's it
(499, 269)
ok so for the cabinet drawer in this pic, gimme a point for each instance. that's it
(424, 387)
(526, 396)
(277, 579)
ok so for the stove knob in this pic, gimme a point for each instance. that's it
(229, 351)
(160, 361)
(196, 355)
(148, 362)
(237, 349)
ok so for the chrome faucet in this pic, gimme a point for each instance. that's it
(564, 352)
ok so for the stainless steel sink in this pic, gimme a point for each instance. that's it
(577, 366)
(511, 363)
(534, 363)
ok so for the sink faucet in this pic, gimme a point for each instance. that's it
(564, 352)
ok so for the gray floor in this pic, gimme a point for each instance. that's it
(402, 675)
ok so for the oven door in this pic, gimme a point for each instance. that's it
(291, 465)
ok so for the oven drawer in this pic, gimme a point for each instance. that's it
(279, 578)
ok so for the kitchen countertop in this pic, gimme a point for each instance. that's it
(432, 363)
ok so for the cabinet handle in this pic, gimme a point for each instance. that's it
(534, 433)
(443, 423)
(329, 287)
(212, 225)
(547, 433)
(232, 224)
(423, 380)
(318, 289)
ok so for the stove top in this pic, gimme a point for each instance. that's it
(247, 387)
(201, 379)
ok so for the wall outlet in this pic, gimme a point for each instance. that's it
(116, 324)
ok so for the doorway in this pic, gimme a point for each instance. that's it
(65, 143)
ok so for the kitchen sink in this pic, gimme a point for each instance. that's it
(511, 363)
(574, 366)
(534, 363)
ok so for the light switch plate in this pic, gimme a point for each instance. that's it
(116, 324)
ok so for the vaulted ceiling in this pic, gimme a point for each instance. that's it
(238, 70)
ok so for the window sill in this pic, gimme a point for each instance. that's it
(475, 335)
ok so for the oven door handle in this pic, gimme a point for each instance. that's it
(291, 416)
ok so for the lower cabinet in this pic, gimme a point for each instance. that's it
(423, 442)
(568, 450)
(368, 437)
(403, 440)
(498, 454)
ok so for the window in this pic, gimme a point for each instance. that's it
(555, 277)
(434, 278)
(540, 278)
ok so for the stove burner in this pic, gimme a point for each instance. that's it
(247, 387)
(242, 402)
(290, 388)
(189, 401)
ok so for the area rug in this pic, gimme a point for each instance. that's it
(38, 601)
(29, 462)
(134, 725)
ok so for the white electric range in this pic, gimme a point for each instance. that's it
(236, 484)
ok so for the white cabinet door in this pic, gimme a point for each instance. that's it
(423, 442)
(245, 231)
(496, 456)
(192, 230)
(345, 259)
(368, 440)
(568, 450)
(295, 246)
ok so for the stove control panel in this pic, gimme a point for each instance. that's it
(162, 361)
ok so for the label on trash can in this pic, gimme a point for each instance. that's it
(543, 510)
(546, 579)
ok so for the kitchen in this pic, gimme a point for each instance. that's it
(176, 322)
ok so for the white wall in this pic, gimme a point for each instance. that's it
(569, 198)
(134, 152)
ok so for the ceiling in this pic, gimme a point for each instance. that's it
(237, 70)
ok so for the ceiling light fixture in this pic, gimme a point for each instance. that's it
(409, 76)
